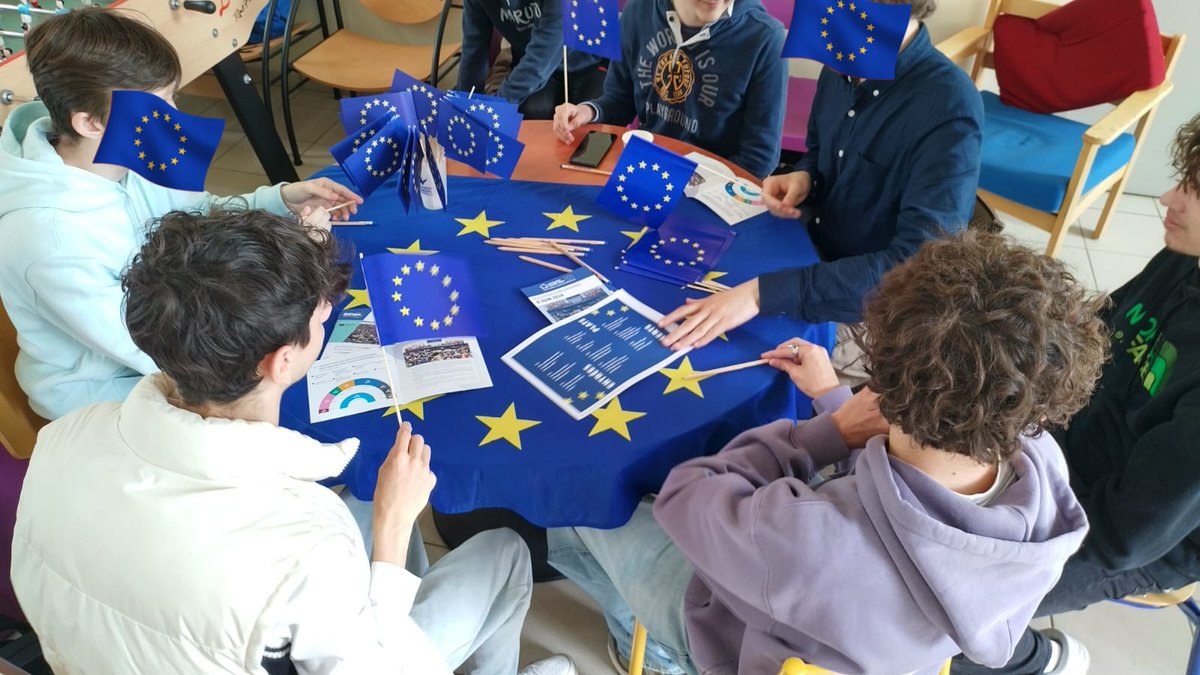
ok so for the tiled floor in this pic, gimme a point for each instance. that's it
(1122, 640)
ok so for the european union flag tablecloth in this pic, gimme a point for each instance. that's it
(511, 447)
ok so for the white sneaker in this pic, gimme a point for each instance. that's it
(555, 665)
(1073, 658)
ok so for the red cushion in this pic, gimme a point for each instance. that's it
(1083, 53)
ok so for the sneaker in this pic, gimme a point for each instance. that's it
(621, 664)
(1073, 657)
(555, 665)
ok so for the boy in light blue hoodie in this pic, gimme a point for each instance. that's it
(69, 226)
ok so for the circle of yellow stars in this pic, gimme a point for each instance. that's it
(447, 282)
(645, 208)
(391, 167)
(375, 103)
(462, 150)
(177, 128)
(851, 7)
(427, 91)
(603, 33)
(699, 252)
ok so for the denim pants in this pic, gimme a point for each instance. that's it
(632, 571)
(472, 603)
(1080, 585)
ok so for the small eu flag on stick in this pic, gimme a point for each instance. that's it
(159, 143)
(421, 296)
(859, 38)
(592, 26)
(647, 182)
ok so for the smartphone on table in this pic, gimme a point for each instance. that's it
(592, 149)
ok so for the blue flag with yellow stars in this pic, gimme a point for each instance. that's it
(159, 143)
(679, 251)
(472, 118)
(592, 26)
(647, 182)
(420, 296)
(859, 38)
(361, 111)
(379, 157)
(342, 150)
(425, 98)
(499, 114)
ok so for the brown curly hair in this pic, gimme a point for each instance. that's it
(976, 340)
(1185, 154)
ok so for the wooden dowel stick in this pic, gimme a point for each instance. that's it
(706, 289)
(543, 263)
(701, 374)
(339, 206)
(539, 251)
(584, 169)
(339, 223)
(579, 262)
(566, 89)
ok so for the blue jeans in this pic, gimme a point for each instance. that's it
(632, 571)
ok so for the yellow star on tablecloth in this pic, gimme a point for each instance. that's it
(416, 407)
(507, 426)
(635, 236)
(713, 276)
(412, 249)
(567, 218)
(357, 299)
(676, 375)
(479, 224)
(612, 418)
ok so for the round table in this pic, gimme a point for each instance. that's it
(590, 472)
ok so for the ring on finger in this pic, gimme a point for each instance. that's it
(795, 349)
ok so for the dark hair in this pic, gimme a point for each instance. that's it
(921, 9)
(208, 296)
(976, 340)
(1185, 154)
(77, 59)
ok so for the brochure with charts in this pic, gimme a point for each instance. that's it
(583, 361)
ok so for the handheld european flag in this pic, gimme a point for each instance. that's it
(592, 26)
(425, 97)
(361, 111)
(647, 182)
(378, 158)
(420, 296)
(859, 38)
(159, 143)
(678, 251)
(342, 150)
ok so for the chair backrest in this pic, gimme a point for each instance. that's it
(18, 423)
(409, 12)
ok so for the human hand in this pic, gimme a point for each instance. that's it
(782, 194)
(705, 319)
(568, 117)
(320, 192)
(859, 420)
(401, 493)
(807, 364)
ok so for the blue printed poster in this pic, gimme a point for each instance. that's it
(585, 360)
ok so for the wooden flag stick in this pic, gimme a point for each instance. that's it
(566, 89)
(537, 250)
(340, 223)
(702, 374)
(543, 263)
(579, 262)
(386, 361)
(584, 169)
(565, 242)
(339, 206)
(706, 289)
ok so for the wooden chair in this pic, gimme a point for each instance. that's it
(18, 423)
(792, 666)
(1087, 182)
(359, 64)
(1181, 598)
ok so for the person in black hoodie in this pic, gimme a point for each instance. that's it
(1131, 451)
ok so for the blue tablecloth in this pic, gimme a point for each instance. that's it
(564, 474)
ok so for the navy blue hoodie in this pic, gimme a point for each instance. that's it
(533, 28)
(724, 89)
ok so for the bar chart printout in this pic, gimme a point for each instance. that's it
(583, 361)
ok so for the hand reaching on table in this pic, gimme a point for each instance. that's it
(568, 117)
(401, 493)
(782, 194)
(806, 364)
(705, 319)
(320, 193)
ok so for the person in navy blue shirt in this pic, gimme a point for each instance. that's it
(891, 164)
(534, 30)
(707, 72)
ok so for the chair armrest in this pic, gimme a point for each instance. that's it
(962, 44)
(1126, 113)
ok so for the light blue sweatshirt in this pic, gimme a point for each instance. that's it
(65, 236)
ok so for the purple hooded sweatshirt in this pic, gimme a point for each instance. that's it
(879, 571)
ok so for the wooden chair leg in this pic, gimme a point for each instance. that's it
(1110, 205)
(1058, 233)
(638, 652)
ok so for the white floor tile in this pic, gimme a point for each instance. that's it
(1140, 204)
(1114, 269)
(1080, 262)
(563, 620)
(1125, 233)
(1035, 237)
(1124, 640)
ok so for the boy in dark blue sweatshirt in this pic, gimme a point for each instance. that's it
(534, 29)
(891, 165)
(707, 72)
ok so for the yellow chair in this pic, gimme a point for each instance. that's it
(1136, 110)
(1182, 599)
(792, 666)
(18, 423)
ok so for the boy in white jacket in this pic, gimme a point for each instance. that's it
(68, 226)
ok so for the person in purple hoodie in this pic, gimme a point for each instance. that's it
(955, 515)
